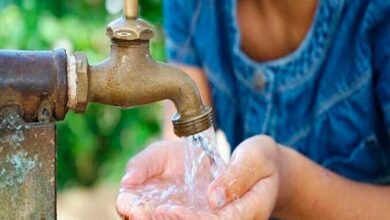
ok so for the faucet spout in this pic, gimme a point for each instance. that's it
(131, 77)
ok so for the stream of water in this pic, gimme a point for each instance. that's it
(202, 163)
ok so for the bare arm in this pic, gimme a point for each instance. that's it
(322, 194)
(307, 190)
(201, 81)
(273, 180)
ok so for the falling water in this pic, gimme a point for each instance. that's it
(202, 162)
(202, 165)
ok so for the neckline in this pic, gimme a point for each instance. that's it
(283, 60)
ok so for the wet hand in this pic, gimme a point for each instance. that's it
(156, 177)
(250, 188)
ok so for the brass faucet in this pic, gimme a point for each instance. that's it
(130, 76)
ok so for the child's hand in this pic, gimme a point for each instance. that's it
(250, 188)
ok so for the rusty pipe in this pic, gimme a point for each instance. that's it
(34, 82)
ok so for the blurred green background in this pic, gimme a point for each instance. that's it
(93, 147)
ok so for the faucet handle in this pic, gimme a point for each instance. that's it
(130, 27)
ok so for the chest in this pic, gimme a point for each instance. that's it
(270, 32)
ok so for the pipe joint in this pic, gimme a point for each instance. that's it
(77, 82)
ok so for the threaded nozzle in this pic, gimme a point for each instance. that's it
(193, 125)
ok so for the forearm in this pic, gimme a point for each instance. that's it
(317, 193)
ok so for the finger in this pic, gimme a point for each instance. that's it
(124, 202)
(149, 163)
(140, 213)
(128, 204)
(249, 164)
(258, 203)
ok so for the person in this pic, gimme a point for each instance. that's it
(302, 88)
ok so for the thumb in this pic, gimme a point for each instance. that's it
(250, 163)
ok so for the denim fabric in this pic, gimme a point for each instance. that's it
(329, 99)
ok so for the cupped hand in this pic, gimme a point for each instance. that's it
(156, 177)
(159, 165)
(250, 187)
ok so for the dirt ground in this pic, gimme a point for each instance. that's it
(87, 204)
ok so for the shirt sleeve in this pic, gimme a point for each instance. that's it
(382, 62)
(179, 25)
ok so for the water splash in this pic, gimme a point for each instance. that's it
(202, 165)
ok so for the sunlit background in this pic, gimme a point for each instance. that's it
(93, 147)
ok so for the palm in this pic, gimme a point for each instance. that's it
(249, 184)
(257, 203)
(161, 182)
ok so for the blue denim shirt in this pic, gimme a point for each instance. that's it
(329, 99)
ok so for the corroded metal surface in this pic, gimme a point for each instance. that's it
(34, 81)
(27, 168)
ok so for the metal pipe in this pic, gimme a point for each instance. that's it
(35, 82)
(27, 168)
(130, 9)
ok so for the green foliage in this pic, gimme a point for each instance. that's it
(96, 145)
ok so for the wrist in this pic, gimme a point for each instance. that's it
(289, 181)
